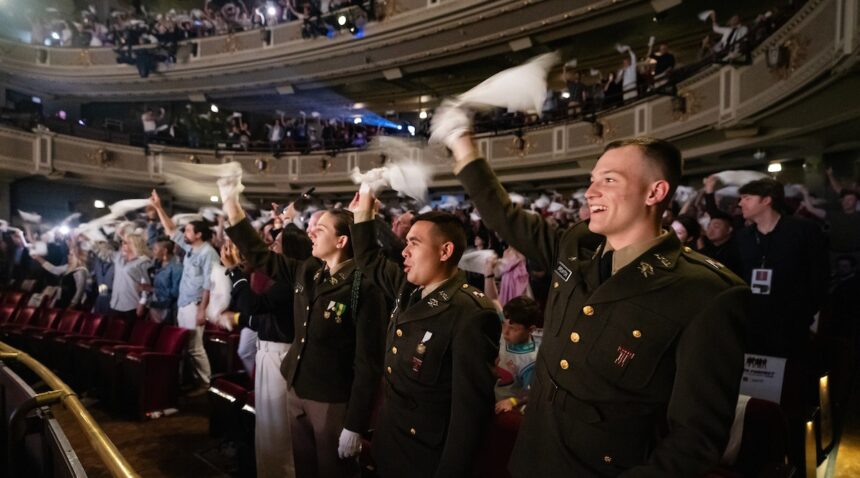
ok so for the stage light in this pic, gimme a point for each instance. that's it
(357, 120)
(82, 122)
(272, 11)
(774, 167)
(99, 204)
(64, 230)
(36, 99)
(213, 198)
(55, 35)
(423, 114)
(213, 109)
(565, 94)
(358, 106)
(400, 127)
(341, 20)
(411, 130)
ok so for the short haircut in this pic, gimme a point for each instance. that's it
(343, 219)
(662, 154)
(522, 310)
(720, 215)
(167, 243)
(765, 187)
(202, 227)
(849, 192)
(450, 228)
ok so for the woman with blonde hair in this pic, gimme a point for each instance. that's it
(73, 277)
(131, 266)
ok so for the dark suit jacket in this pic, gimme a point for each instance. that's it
(337, 352)
(637, 376)
(439, 370)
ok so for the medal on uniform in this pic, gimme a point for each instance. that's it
(418, 358)
(339, 310)
(328, 309)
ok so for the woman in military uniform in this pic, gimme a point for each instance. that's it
(333, 367)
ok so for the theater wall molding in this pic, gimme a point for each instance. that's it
(730, 109)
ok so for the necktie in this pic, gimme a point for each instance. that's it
(605, 266)
(414, 297)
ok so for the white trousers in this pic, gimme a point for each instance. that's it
(187, 319)
(272, 439)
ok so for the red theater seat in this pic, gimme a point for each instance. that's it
(35, 337)
(56, 343)
(80, 361)
(227, 395)
(149, 378)
(108, 354)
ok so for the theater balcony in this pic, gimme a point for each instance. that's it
(411, 36)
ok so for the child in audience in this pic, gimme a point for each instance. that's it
(517, 352)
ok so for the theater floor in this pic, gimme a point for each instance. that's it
(170, 446)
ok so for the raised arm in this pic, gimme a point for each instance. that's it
(166, 221)
(528, 233)
(382, 272)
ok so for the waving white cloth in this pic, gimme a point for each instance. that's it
(30, 217)
(476, 260)
(408, 177)
(219, 298)
(522, 88)
(198, 181)
(121, 208)
(739, 178)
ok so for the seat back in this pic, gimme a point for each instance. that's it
(7, 313)
(171, 340)
(763, 443)
(91, 326)
(26, 316)
(70, 321)
(143, 333)
(116, 329)
(50, 316)
(13, 298)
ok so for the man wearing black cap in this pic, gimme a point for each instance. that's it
(784, 259)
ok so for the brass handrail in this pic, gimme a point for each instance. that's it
(107, 451)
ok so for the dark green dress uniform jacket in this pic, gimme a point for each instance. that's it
(637, 376)
(439, 370)
(336, 355)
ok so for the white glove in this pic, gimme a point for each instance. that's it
(450, 121)
(349, 444)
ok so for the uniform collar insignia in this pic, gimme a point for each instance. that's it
(646, 269)
(433, 302)
(663, 260)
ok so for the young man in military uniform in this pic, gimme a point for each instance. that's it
(442, 342)
(642, 353)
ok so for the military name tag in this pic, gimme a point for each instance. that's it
(563, 271)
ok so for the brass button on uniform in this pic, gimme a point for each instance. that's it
(637, 334)
(607, 459)
(465, 286)
(555, 285)
(687, 249)
(303, 340)
(305, 324)
(307, 307)
(394, 350)
(563, 364)
(412, 431)
(399, 333)
(574, 337)
(388, 369)
(588, 310)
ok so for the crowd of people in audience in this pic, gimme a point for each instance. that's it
(588, 90)
(126, 28)
(774, 236)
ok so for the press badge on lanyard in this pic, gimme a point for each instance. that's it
(760, 281)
